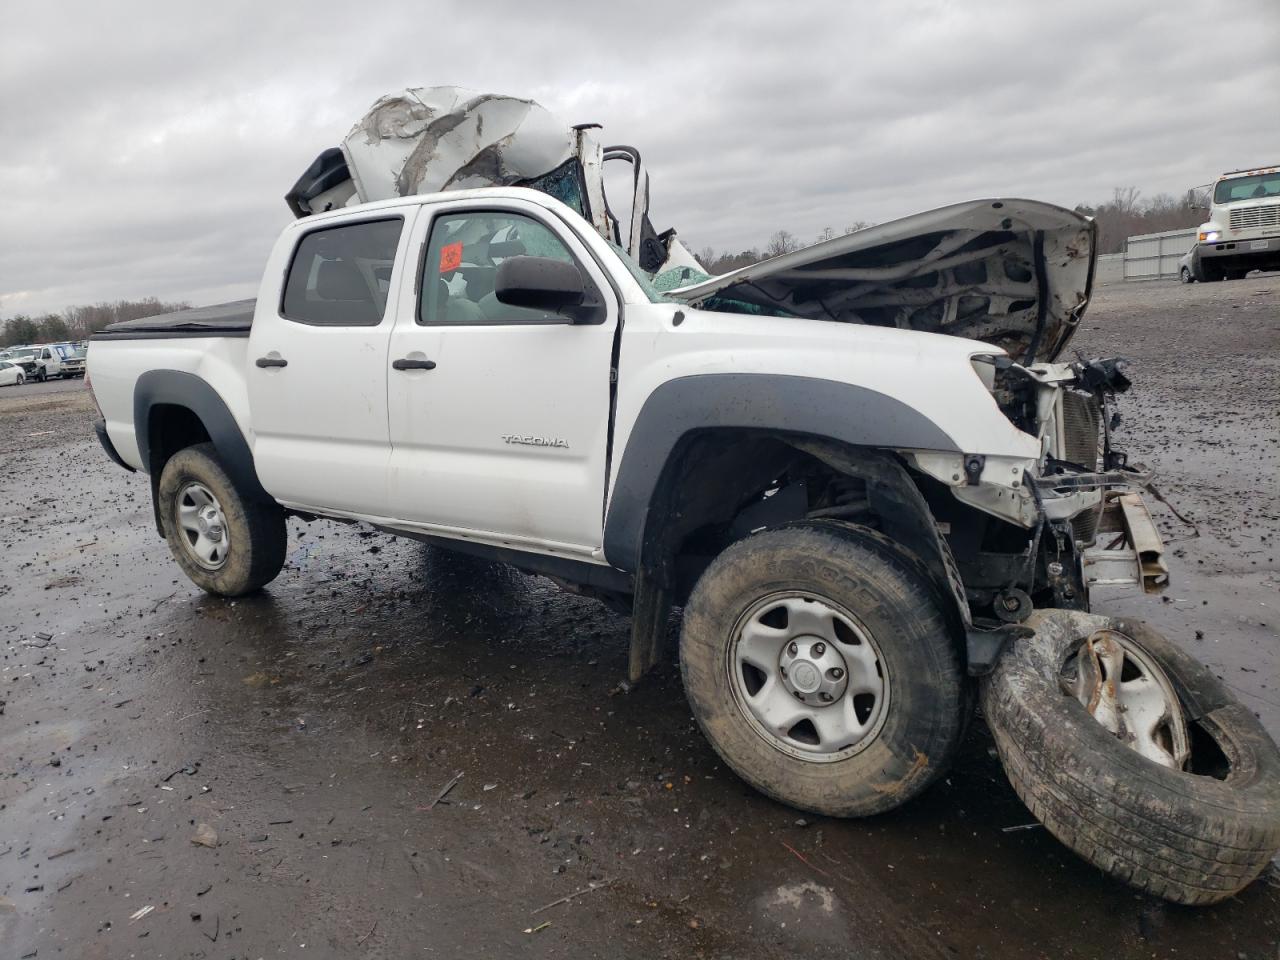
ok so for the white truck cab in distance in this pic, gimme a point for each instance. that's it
(1243, 229)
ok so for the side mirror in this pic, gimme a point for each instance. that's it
(541, 283)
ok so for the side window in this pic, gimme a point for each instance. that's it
(463, 254)
(340, 275)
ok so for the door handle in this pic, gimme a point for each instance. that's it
(404, 363)
(272, 362)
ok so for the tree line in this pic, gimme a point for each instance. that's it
(78, 323)
(1126, 214)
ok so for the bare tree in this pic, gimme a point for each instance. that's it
(781, 242)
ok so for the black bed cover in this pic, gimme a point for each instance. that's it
(220, 320)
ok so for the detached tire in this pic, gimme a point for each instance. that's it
(1191, 837)
(227, 543)
(874, 669)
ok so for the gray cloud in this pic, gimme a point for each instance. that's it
(147, 147)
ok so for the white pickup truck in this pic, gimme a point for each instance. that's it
(858, 469)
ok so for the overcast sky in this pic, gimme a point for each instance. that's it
(145, 148)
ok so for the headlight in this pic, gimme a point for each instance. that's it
(1210, 236)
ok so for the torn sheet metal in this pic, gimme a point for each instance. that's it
(1014, 273)
(431, 139)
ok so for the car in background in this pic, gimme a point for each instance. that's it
(1189, 270)
(11, 374)
(28, 358)
(63, 360)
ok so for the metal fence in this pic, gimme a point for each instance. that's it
(1155, 256)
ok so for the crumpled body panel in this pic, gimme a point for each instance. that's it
(431, 139)
(1013, 273)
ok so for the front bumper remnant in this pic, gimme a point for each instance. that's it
(1128, 549)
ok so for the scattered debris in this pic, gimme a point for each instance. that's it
(140, 913)
(577, 893)
(205, 836)
(447, 787)
(540, 927)
(1021, 826)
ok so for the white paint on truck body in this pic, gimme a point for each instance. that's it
(339, 432)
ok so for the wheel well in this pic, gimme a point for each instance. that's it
(720, 485)
(171, 428)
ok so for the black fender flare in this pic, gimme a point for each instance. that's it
(780, 403)
(180, 389)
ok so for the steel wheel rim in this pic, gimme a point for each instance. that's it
(1125, 691)
(202, 526)
(818, 705)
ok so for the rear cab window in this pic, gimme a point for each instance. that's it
(341, 275)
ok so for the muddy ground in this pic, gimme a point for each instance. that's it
(314, 726)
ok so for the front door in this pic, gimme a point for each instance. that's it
(318, 367)
(499, 418)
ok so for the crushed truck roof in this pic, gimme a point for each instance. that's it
(1015, 273)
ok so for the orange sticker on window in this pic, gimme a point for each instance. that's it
(450, 257)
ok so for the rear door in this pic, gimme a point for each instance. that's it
(318, 365)
(499, 421)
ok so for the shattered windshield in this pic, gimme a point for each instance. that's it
(564, 183)
(642, 278)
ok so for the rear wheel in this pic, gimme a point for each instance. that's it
(822, 667)
(226, 543)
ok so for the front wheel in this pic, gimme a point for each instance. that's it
(1136, 756)
(227, 543)
(820, 664)
(1184, 275)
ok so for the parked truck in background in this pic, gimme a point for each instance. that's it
(865, 471)
(1243, 229)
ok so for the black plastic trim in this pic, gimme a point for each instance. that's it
(100, 428)
(770, 402)
(181, 389)
(202, 333)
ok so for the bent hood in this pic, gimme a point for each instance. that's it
(1013, 273)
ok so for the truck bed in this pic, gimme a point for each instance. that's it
(220, 320)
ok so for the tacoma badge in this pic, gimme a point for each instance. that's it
(536, 441)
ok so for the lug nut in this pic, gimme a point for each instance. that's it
(819, 649)
(824, 697)
(792, 648)
(835, 673)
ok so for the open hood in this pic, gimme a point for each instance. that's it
(1014, 273)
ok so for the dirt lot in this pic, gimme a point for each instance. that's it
(315, 725)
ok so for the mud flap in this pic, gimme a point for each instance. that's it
(651, 605)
